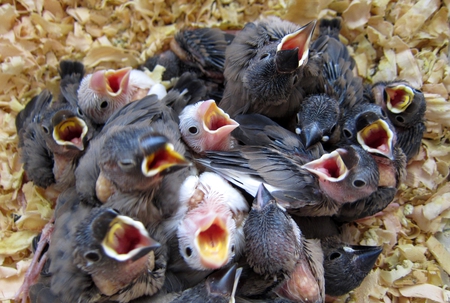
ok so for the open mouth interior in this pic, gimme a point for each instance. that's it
(124, 238)
(160, 160)
(400, 98)
(213, 244)
(330, 167)
(376, 136)
(71, 131)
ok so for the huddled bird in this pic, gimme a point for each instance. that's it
(233, 185)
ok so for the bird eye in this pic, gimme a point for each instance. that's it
(264, 56)
(92, 256)
(232, 249)
(104, 104)
(116, 210)
(295, 79)
(188, 251)
(126, 164)
(400, 119)
(79, 112)
(383, 113)
(45, 128)
(417, 91)
(359, 183)
(193, 130)
(347, 133)
(334, 255)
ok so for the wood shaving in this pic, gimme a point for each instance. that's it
(388, 39)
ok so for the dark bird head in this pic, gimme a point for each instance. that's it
(136, 158)
(368, 125)
(346, 266)
(405, 105)
(69, 130)
(113, 249)
(293, 50)
(317, 120)
(272, 239)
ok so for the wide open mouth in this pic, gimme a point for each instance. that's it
(213, 241)
(300, 39)
(112, 82)
(70, 132)
(165, 159)
(330, 167)
(127, 239)
(377, 138)
(215, 120)
(399, 97)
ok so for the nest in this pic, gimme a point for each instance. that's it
(389, 40)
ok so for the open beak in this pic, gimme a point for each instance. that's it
(69, 130)
(212, 241)
(160, 156)
(377, 138)
(127, 239)
(399, 97)
(293, 50)
(329, 167)
(215, 120)
(111, 82)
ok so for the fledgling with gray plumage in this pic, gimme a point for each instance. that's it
(61, 126)
(128, 124)
(263, 66)
(303, 182)
(119, 255)
(276, 250)
(405, 106)
(336, 89)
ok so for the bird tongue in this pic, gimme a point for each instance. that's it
(299, 39)
(377, 138)
(70, 132)
(399, 98)
(212, 241)
(329, 167)
(127, 239)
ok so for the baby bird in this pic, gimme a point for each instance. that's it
(204, 126)
(263, 66)
(405, 106)
(211, 233)
(104, 92)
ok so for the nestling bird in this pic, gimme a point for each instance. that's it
(211, 233)
(276, 250)
(263, 66)
(368, 125)
(104, 92)
(304, 186)
(204, 126)
(334, 90)
(405, 106)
